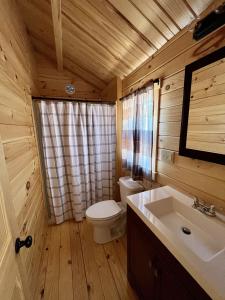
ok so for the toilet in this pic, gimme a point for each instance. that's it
(109, 217)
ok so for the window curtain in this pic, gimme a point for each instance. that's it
(137, 133)
(79, 142)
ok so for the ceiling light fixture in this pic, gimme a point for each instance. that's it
(70, 89)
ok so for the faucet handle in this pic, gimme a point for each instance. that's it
(212, 209)
(196, 201)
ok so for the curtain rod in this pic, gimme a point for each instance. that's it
(142, 87)
(74, 99)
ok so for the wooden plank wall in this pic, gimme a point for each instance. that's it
(52, 83)
(113, 92)
(17, 82)
(206, 125)
(203, 179)
(110, 91)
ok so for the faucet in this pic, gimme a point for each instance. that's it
(208, 210)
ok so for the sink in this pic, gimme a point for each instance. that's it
(196, 240)
(201, 234)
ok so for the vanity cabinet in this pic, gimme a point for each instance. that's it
(153, 271)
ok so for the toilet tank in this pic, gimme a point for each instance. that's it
(129, 187)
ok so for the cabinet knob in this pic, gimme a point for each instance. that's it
(150, 264)
(156, 273)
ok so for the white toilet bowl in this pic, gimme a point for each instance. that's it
(109, 217)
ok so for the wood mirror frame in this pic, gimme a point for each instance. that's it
(189, 69)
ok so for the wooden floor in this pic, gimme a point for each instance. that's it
(74, 267)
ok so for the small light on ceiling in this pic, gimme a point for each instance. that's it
(70, 88)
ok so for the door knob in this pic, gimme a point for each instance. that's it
(19, 244)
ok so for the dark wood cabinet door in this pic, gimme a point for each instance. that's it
(175, 282)
(171, 288)
(141, 263)
(153, 271)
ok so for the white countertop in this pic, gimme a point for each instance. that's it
(209, 274)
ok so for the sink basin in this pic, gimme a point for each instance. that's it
(201, 234)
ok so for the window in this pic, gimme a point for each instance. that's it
(137, 133)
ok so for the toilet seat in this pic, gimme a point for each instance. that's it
(103, 210)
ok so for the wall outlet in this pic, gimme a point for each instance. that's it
(167, 155)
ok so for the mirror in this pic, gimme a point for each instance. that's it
(203, 116)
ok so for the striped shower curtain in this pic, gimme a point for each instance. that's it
(79, 142)
(137, 133)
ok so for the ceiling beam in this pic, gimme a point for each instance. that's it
(57, 27)
(86, 75)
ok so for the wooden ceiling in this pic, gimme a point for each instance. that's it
(100, 39)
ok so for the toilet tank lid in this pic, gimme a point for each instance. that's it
(130, 184)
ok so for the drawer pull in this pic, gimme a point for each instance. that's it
(156, 273)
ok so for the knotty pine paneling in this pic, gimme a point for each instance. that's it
(203, 179)
(206, 130)
(113, 92)
(52, 83)
(108, 38)
(110, 91)
(174, 55)
(17, 83)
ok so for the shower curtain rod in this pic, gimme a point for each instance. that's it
(141, 88)
(95, 101)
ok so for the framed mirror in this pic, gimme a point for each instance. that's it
(202, 134)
